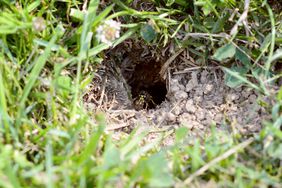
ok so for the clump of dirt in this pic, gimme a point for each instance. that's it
(204, 100)
(131, 92)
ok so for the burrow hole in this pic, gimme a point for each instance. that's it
(148, 89)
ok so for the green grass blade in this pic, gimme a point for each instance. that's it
(91, 145)
(38, 66)
(49, 163)
(102, 15)
(3, 107)
(273, 33)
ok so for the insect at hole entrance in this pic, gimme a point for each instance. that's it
(148, 89)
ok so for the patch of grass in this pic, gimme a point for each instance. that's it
(47, 52)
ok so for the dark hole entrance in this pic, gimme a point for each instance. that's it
(148, 89)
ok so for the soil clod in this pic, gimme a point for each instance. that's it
(196, 99)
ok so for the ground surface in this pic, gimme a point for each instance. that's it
(195, 97)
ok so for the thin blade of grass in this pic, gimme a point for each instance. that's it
(273, 33)
(225, 155)
(102, 15)
(85, 39)
(49, 163)
(38, 66)
(3, 107)
(91, 145)
(133, 142)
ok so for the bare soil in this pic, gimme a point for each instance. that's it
(134, 93)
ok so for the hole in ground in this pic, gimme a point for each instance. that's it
(148, 89)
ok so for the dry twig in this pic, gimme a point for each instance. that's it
(168, 62)
(242, 19)
(204, 168)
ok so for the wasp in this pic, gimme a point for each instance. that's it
(143, 101)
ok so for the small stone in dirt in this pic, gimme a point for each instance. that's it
(190, 107)
(252, 98)
(170, 117)
(207, 121)
(177, 110)
(189, 86)
(208, 88)
(231, 97)
(200, 126)
(180, 95)
(182, 87)
(198, 99)
(188, 124)
(218, 118)
(246, 93)
(253, 127)
(204, 75)
(199, 91)
(209, 104)
(174, 88)
(186, 120)
(201, 114)
(193, 82)
(194, 79)
(218, 100)
(174, 81)
(159, 118)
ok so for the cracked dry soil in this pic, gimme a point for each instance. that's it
(195, 99)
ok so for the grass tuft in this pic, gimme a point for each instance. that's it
(47, 52)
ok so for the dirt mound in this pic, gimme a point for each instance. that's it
(132, 93)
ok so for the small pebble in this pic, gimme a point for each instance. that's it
(190, 107)
(204, 75)
(189, 86)
(186, 121)
(174, 88)
(208, 88)
(177, 110)
(200, 113)
(198, 99)
(199, 91)
(180, 95)
(194, 79)
(231, 97)
(182, 87)
(218, 118)
(252, 98)
(170, 117)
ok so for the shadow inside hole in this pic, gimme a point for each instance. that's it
(150, 97)
(147, 88)
(158, 92)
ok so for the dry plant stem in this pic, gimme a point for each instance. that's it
(233, 14)
(116, 126)
(195, 35)
(208, 35)
(155, 130)
(84, 7)
(242, 19)
(228, 153)
(120, 111)
(102, 93)
(188, 62)
(168, 62)
(190, 69)
(168, 80)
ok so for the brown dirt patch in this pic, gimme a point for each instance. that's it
(193, 97)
